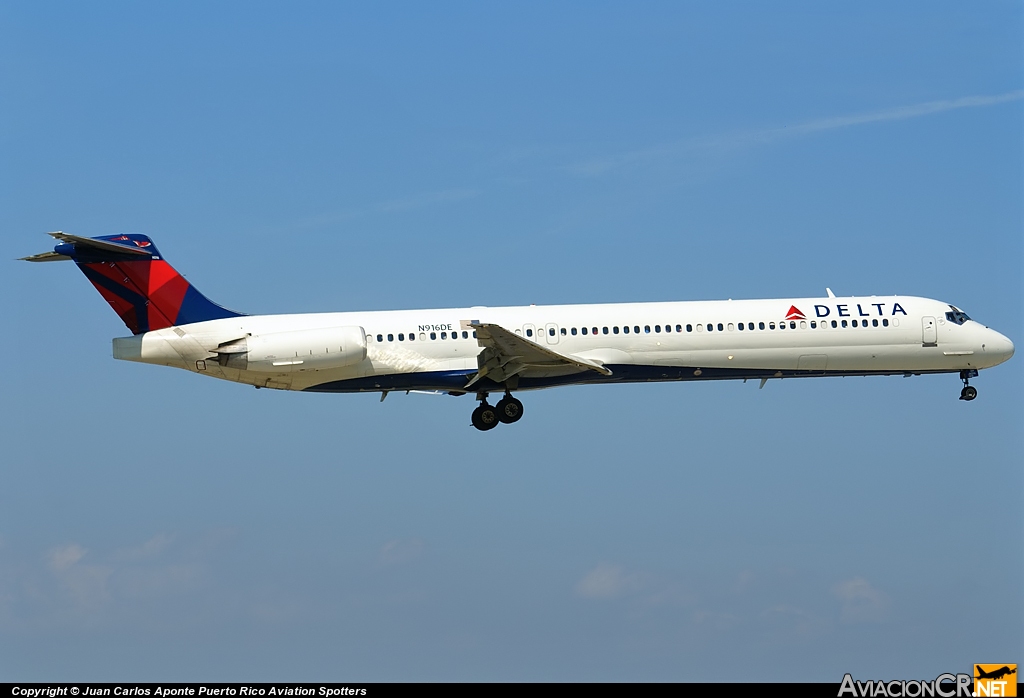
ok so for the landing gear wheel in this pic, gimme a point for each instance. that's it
(509, 409)
(485, 417)
(969, 392)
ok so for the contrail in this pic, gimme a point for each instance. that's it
(598, 166)
(899, 113)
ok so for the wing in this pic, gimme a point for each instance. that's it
(507, 355)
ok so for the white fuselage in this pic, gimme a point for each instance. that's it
(438, 350)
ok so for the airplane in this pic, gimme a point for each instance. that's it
(996, 674)
(482, 350)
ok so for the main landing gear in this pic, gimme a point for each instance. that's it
(969, 392)
(507, 411)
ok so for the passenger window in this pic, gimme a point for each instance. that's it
(583, 330)
(593, 330)
(465, 334)
(814, 324)
(605, 330)
(844, 323)
(574, 331)
(782, 325)
(760, 325)
(636, 329)
(433, 335)
(625, 330)
(380, 338)
(700, 328)
(739, 326)
(771, 325)
(719, 327)
(647, 329)
(529, 333)
(885, 323)
(563, 331)
(551, 331)
(874, 323)
(711, 328)
(792, 324)
(401, 337)
(679, 328)
(444, 335)
(689, 328)
(657, 328)
(615, 329)
(412, 337)
(391, 337)
(731, 327)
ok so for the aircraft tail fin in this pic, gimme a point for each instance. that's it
(130, 273)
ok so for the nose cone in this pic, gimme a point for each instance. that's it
(997, 348)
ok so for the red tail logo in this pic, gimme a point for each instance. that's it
(795, 313)
(142, 243)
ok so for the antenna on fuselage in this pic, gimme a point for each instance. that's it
(829, 292)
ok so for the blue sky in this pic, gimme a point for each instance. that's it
(155, 525)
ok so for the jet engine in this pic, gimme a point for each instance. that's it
(299, 350)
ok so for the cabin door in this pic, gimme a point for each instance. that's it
(928, 333)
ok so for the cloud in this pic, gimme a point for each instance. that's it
(861, 602)
(400, 551)
(148, 550)
(730, 141)
(86, 584)
(63, 558)
(607, 581)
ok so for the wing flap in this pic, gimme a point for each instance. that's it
(507, 355)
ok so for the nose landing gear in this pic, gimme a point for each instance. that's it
(969, 392)
(507, 411)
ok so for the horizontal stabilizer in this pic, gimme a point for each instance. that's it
(139, 248)
(45, 257)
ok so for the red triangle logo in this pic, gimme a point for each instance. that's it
(795, 313)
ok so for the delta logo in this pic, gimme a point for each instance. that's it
(142, 243)
(995, 680)
(795, 313)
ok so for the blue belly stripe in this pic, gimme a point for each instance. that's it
(454, 381)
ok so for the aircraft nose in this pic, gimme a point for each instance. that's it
(998, 347)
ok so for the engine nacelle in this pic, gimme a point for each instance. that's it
(299, 350)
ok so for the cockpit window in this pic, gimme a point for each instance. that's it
(956, 315)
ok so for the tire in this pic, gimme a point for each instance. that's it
(509, 410)
(970, 392)
(485, 417)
